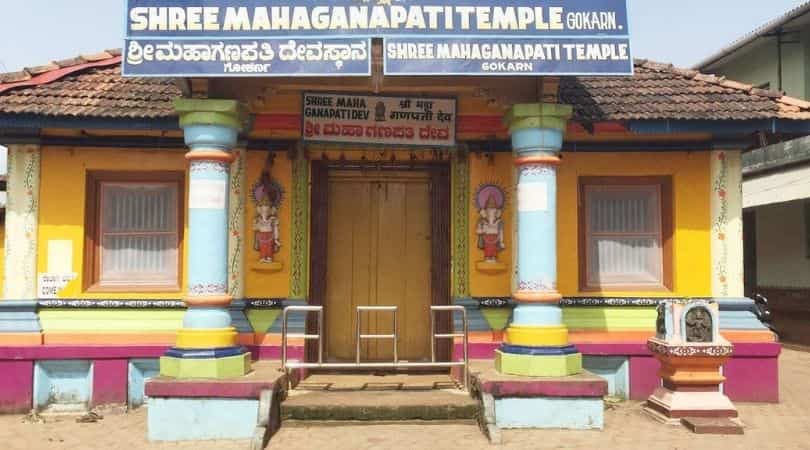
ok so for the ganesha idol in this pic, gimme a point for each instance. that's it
(490, 200)
(267, 195)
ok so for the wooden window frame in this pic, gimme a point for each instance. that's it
(666, 202)
(92, 226)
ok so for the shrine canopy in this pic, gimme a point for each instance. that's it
(334, 37)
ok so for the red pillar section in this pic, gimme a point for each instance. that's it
(20, 375)
(643, 376)
(109, 381)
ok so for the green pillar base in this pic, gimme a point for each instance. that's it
(538, 366)
(229, 367)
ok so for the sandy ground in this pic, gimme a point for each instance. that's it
(782, 426)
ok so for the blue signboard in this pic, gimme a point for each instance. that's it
(199, 37)
(432, 56)
(247, 57)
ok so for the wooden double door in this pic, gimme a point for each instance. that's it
(383, 240)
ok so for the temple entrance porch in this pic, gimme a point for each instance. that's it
(380, 237)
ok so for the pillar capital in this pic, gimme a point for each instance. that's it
(209, 123)
(538, 115)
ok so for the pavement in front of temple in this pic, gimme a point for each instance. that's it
(782, 426)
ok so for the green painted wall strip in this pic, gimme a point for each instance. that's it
(299, 267)
(460, 203)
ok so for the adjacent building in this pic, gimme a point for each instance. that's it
(776, 190)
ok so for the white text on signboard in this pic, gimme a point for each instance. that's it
(427, 122)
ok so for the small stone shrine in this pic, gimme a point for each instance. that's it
(691, 352)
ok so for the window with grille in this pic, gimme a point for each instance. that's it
(135, 231)
(626, 230)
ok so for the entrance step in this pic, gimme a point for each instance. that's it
(389, 398)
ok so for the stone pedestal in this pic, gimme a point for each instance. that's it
(515, 402)
(691, 353)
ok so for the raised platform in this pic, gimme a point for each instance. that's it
(202, 409)
(511, 401)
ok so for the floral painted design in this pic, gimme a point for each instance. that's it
(533, 170)
(536, 286)
(721, 222)
(460, 204)
(208, 166)
(22, 219)
(236, 225)
(299, 283)
(689, 350)
(207, 289)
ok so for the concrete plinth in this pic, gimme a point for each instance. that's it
(230, 367)
(538, 366)
(511, 401)
(238, 408)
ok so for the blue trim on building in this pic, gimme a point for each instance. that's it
(538, 351)
(207, 353)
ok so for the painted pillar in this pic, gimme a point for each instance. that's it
(22, 219)
(536, 342)
(207, 344)
(726, 210)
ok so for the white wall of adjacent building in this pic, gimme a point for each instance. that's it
(782, 257)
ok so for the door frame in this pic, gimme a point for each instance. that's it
(440, 241)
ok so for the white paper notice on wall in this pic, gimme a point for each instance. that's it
(208, 194)
(50, 284)
(532, 197)
(60, 256)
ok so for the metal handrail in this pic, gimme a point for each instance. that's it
(285, 336)
(395, 364)
(360, 337)
(464, 335)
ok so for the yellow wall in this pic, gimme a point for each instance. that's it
(690, 172)
(62, 201)
(62, 197)
(262, 283)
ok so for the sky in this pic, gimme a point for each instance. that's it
(682, 32)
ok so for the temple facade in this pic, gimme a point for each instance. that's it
(161, 226)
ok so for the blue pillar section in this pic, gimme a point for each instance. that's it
(207, 346)
(536, 342)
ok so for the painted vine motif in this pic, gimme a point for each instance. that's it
(236, 225)
(23, 200)
(299, 283)
(461, 180)
(720, 226)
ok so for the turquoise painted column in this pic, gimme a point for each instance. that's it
(207, 345)
(536, 342)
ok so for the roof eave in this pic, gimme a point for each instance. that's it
(762, 31)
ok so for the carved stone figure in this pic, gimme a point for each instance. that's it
(660, 321)
(490, 201)
(699, 325)
(267, 195)
(265, 226)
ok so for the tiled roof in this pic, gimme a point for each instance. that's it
(91, 86)
(660, 91)
(86, 86)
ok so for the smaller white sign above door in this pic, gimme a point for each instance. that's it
(377, 120)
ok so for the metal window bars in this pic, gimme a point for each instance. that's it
(287, 365)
